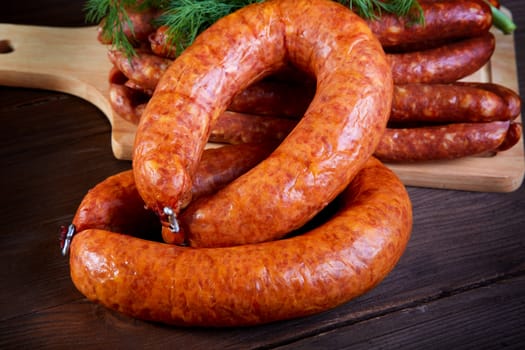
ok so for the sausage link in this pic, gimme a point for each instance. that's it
(317, 159)
(161, 45)
(441, 142)
(237, 128)
(276, 98)
(127, 103)
(258, 283)
(512, 137)
(144, 69)
(444, 64)
(142, 22)
(511, 98)
(444, 20)
(454, 102)
(115, 204)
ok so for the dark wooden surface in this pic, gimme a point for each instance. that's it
(460, 284)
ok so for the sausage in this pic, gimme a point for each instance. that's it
(144, 68)
(115, 204)
(317, 159)
(511, 138)
(275, 98)
(444, 64)
(235, 128)
(511, 98)
(142, 26)
(441, 142)
(128, 103)
(257, 283)
(266, 97)
(160, 43)
(454, 102)
(443, 20)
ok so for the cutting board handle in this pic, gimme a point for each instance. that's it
(65, 59)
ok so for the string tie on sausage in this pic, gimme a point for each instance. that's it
(172, 220)
(66, 237)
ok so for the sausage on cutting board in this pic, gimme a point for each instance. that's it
(315, 162)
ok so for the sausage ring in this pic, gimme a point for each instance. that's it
(338, 133)
(248, 284)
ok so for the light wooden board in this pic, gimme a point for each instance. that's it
(71, 60)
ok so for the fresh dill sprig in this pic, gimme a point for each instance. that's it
(113, 15)
(372, 9)
(186, 19)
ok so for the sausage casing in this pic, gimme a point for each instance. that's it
(257, 283)
(444, 20)
(441, 142)
(315, 162)
(444, 64)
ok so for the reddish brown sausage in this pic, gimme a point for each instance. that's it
(142, 23)
(160, 43)
(127, 103)
(339, 131)
(511, 98)
(444, 64)
(276, 98)
(115, 204)
(252, 284)
(455, 102)
(237, 128)
(441, 142)
(512, 137)
(144, 69)
(444, 20)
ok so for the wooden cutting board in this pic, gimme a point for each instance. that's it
(71, 60)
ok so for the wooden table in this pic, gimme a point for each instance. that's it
(460, 283)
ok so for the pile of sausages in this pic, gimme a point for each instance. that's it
(433, 116)
(277, 224)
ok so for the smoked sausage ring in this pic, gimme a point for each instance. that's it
(250, 284)
(318, 159)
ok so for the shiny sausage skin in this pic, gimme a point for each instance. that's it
(275, 98)
(257, 283)
(115, 204)
(127, 103)
(512, 137)
(237, 128)
(265, 97)
(511, 98)
(144, 69)
(315, 162)
(160, 44)
(454, 102)
(142, 22)
(444, 20)
(444, 64)
(441, 142)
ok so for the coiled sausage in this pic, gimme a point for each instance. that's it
(316, 161)
(256, 283)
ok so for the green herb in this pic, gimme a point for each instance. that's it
(114, 15)
(502, 21)
(372, 9)
(188, 18)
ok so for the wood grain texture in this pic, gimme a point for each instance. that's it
(78, 64)
(458, 285)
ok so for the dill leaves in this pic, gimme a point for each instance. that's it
(186, 19)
